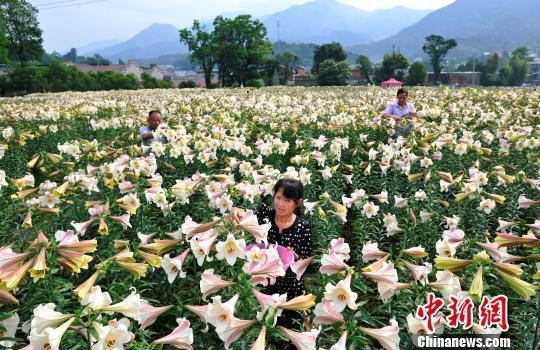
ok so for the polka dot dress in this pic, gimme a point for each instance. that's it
(298, 237)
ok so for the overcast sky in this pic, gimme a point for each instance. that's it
(74, 23)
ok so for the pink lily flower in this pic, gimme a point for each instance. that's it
(499, 254)
(340, 248)
(535, 227)
(268, 301)
(148, 313)
(285, 254)
(326, 313)
(123, 220)
(386, 278)
(269, 268)
(524, 202)
(387, 336)
(9, 259)
(234, 331)
(447, 283)
(181, 337)
(201, 312)
(371, 251)
(211, 283)
(250, 224)
(332, 264)
(302, 341)
(503, 225)
(81, 227)
(260, 342)
(420, 272)
(300, 266)
(201, 245)
(341, 344)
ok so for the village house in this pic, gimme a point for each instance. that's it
(534, 75)
(456, 78)
(195, 76)
(357, 76)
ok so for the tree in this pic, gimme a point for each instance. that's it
(71, 55)
(365, 67)
(417, 74)
(332, 72)
(22, 30)
(271, 72)
(519, 66)
(304, 52)
(48, 58)
(114, 81)
(504, 74)
(436, 47)
(327, 51)
(241, 49)
(521, 53)
(148, 81)
(489, 76)
(166, 84)
(96, 60)
(286, 63)
(120, 61)
(187, 84)
(201, 47)
(393, 65)
(58, 77)
(4, 51)
(28, 79)
(472, 64)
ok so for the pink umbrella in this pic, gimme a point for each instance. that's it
(391, 82)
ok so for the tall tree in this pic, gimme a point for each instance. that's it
(4, 51)
(286, 61)
(417, 74)
(22, 30)
(522, 53)
(366, 67)
(393, 66)
(436, 47)
(489, 71)
(71, 55)
(327, 51)
(58, 77)
(334, 73)
(519, 66)
(201, 46)
(241, 49)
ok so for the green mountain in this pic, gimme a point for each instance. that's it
(323, 21)
(478, 26)
(156, 40)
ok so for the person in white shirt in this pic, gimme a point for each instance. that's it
(154, 120)
(399, 110)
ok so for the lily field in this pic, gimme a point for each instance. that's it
(109, 244)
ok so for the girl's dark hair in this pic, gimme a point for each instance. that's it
(292, 189)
